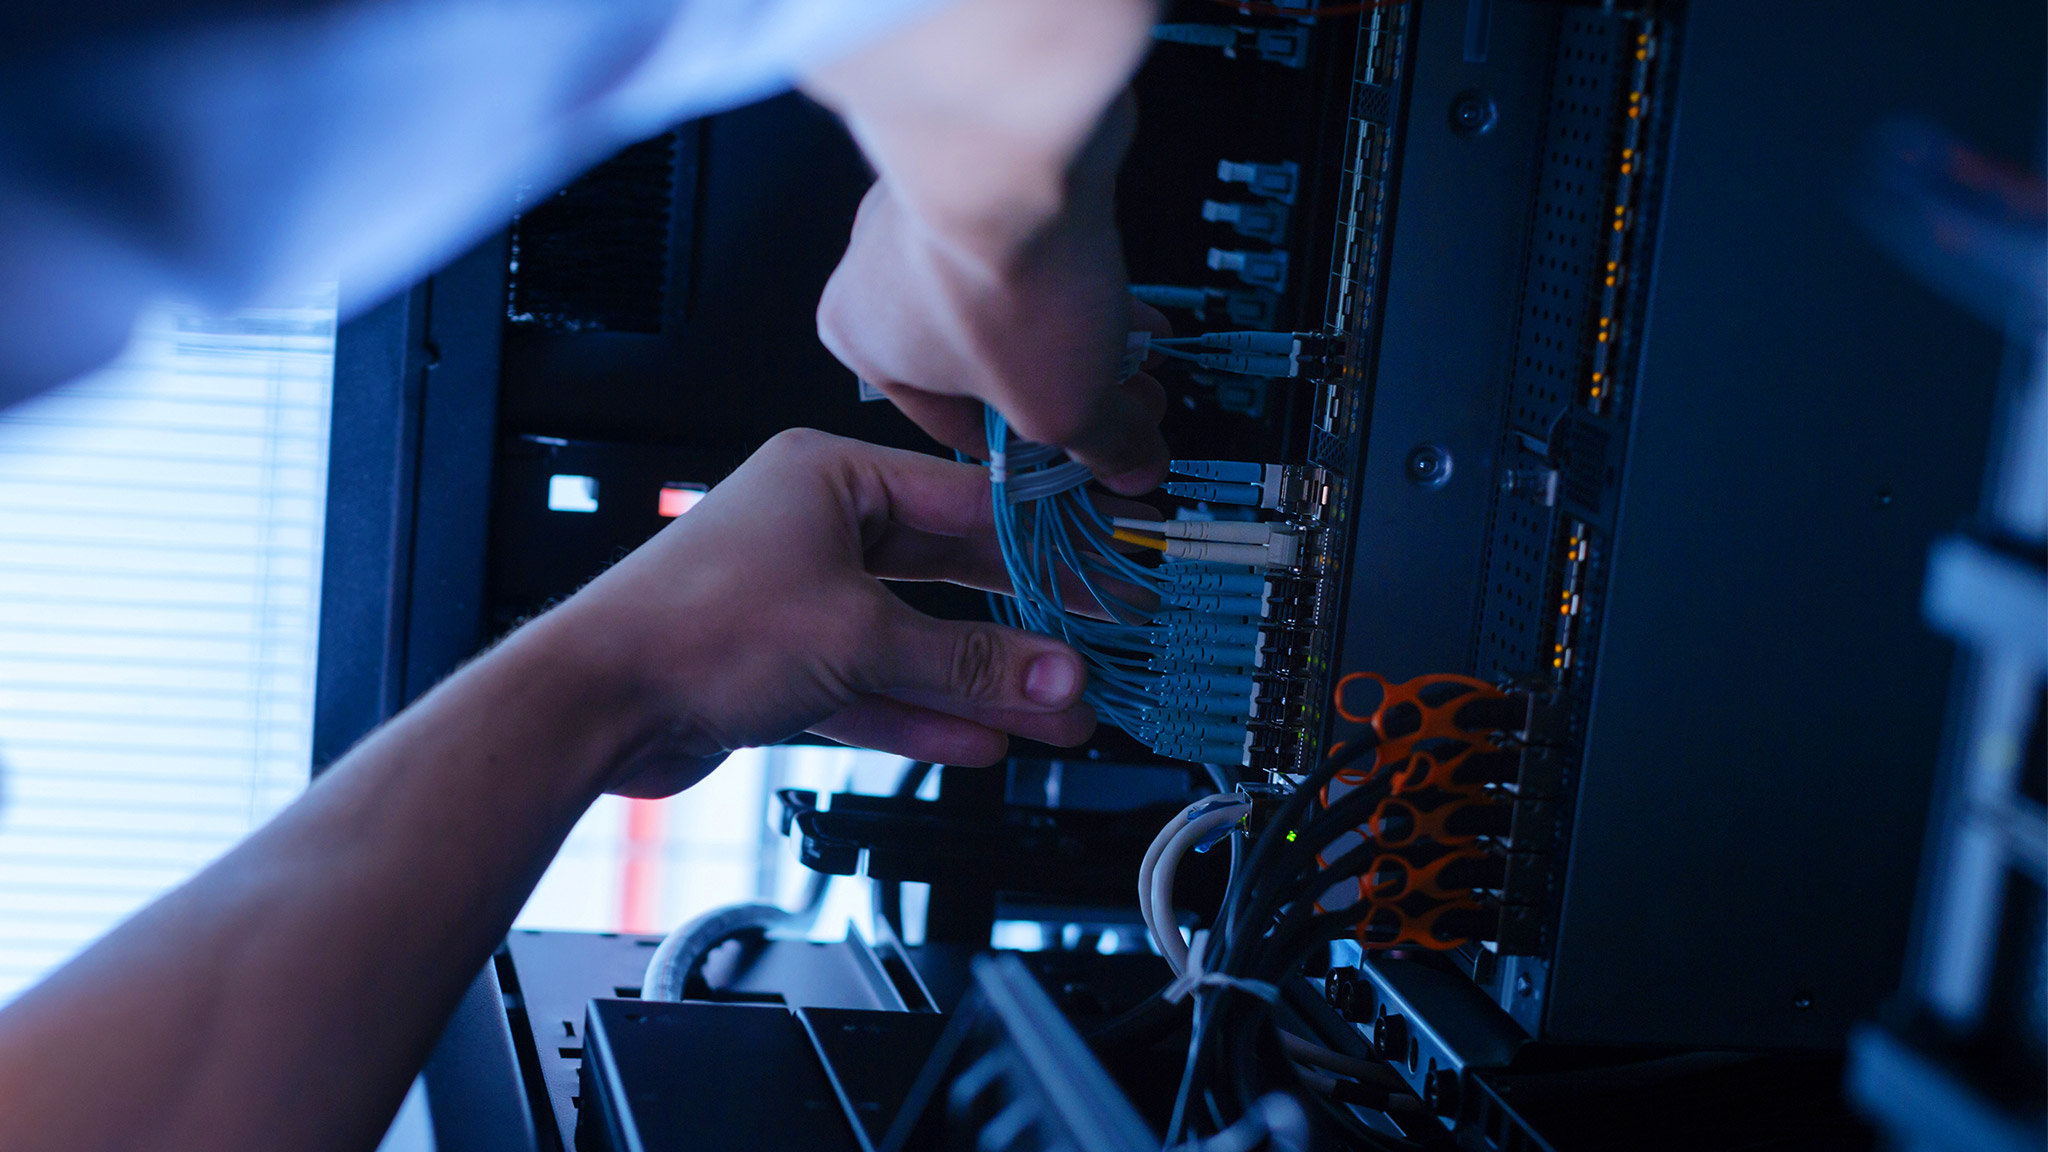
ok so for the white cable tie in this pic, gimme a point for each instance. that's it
(1137, 346)
(1028, 454)
(1194, 977)
(998, 467)
(1050, 482)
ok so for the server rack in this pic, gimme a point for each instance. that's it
(1728, 497)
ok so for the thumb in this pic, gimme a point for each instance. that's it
(971, 668)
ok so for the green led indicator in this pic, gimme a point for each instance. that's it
(1290, 837)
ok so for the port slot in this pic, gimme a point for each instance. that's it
(1622, 226)
(1569, 608)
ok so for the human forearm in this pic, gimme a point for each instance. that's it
(984, 266)
(282, 998)
(975, 115)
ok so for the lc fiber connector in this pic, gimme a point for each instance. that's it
(1266, 270)
(1288, 46)
(1244, 307)
(1276, 354)
(1251, 220)
(1280, 181)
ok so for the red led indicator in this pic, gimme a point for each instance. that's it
(677, 499)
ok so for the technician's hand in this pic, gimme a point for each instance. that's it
(761, 613)
(984, 265)
(943, 327)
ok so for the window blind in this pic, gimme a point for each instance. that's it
(160, 531)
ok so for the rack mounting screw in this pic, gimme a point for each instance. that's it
(1429, 465)
(1440, 1092)
(1390, 1036)
(1472, 113)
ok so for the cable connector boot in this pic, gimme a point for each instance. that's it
(1266, 270)
(1253, 220)
(1200, 576)
(1246, 308)
(1273, 181)
(1211, 603)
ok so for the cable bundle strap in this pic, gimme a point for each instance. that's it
(1196, 976)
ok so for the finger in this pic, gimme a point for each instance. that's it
(919, 733)
(955, 421)
(1111, 506)
(974, 561)
(1148, 393)
(891, 486)
(1146, 318)
(1062, 729)
(971, 666)
(1120, 441)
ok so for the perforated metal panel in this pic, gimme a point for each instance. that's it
(1572, 193)
(1554, 336)
(1511, 631)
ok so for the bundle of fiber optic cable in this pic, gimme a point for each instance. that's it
(1172, 648)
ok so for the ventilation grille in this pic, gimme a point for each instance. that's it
(595, 255)
(1552, 331)
(1517, 590)
(1566, 230)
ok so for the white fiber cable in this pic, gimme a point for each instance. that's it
(1160, 902)
(1191, 826)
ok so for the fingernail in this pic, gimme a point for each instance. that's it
(1052, 680)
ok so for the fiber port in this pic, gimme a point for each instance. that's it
(1601, 387)
(1252, 220)
(1570, 603)
(1273, 181)
(1288, 46)
(1266, 270)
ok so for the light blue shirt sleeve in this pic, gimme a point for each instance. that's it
(167, 149)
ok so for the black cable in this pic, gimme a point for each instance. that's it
(1275, 926)
(1289, 813)
(889, 893)
(913, 779)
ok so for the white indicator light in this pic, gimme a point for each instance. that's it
(572, 493)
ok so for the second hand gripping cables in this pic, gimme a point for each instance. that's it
(1177, 650)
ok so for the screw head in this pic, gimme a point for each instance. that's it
(1523, 985)
(1429, 465)
(1472, 113)
(1390, 1036)
(1440, 1092)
